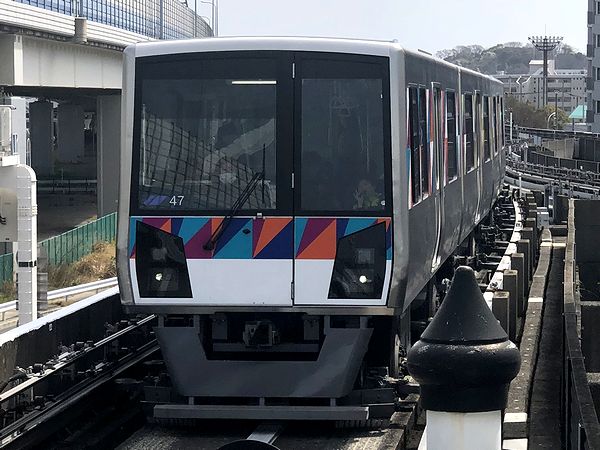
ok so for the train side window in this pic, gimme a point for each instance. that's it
(468, 132)
(502, 122)
(486, 129)
(495, 124)
(478, 129)
(424, 141)
(451, 147)
(414, 144)
(437, 119)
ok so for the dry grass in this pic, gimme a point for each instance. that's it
(98, 265)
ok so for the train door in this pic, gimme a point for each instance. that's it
(438, 164)
(342, 180)
(478, 152)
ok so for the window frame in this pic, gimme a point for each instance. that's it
(456, 152)
(283, 129)
(424, 98)
(478, 127)
(413, 141)
(382, 64)
(495, 122)
(465, 131)
(425, 141)
(486, 128)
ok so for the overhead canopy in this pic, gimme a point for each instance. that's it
(579, 113)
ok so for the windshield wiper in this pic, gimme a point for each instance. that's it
(237, 205)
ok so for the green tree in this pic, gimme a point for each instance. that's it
(529, 116)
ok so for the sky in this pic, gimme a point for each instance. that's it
(430, 25)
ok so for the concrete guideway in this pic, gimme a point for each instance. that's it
(550, 405)
(518, 419)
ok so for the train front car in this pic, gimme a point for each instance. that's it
(256, 219)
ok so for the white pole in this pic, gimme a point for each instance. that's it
(511, 126)
(216, 17)
(463, 431)
(27, 235)
(520, 183)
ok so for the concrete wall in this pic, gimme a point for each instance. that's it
(561, 149)
(70, 132)
(587, 231)
(590, 335)
(30, 61)
(109, 141)
(40, 128)
(587, 257)
(39, 345)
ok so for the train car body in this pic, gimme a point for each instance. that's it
(284, 200)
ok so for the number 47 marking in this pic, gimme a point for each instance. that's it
(177, 200)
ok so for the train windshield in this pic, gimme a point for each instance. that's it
(204, 138)
(208, 125)
(342, 149)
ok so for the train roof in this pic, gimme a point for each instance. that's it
(316, 44)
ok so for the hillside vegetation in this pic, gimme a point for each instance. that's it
(510, 58)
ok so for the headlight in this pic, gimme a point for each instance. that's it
(359, 267)
(161, 266)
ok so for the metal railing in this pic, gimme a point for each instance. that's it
(581, 430)
(57, 186)
(566, 163)
(561, 174)
(66, 293)
(6, 268)
(158, 19)
(69, 247)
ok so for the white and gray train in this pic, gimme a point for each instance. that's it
(284, 201)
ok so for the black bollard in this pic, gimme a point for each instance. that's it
(464, 363)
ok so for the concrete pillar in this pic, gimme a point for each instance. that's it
(517, 263)
(70, 133)
(462, 345)
(41, 135)
(523, 248)
(108, 110)
(532, 223)
(501, 309)
(527, 234)
(510, 284)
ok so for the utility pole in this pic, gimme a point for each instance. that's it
(545, 44)
(555, 109)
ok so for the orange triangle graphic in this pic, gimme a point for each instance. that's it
(323, 247)
(385, 220)
(271, 228)
(166, 226)
(214, 223)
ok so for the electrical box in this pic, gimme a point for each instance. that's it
(8, 215)
(5, 130)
